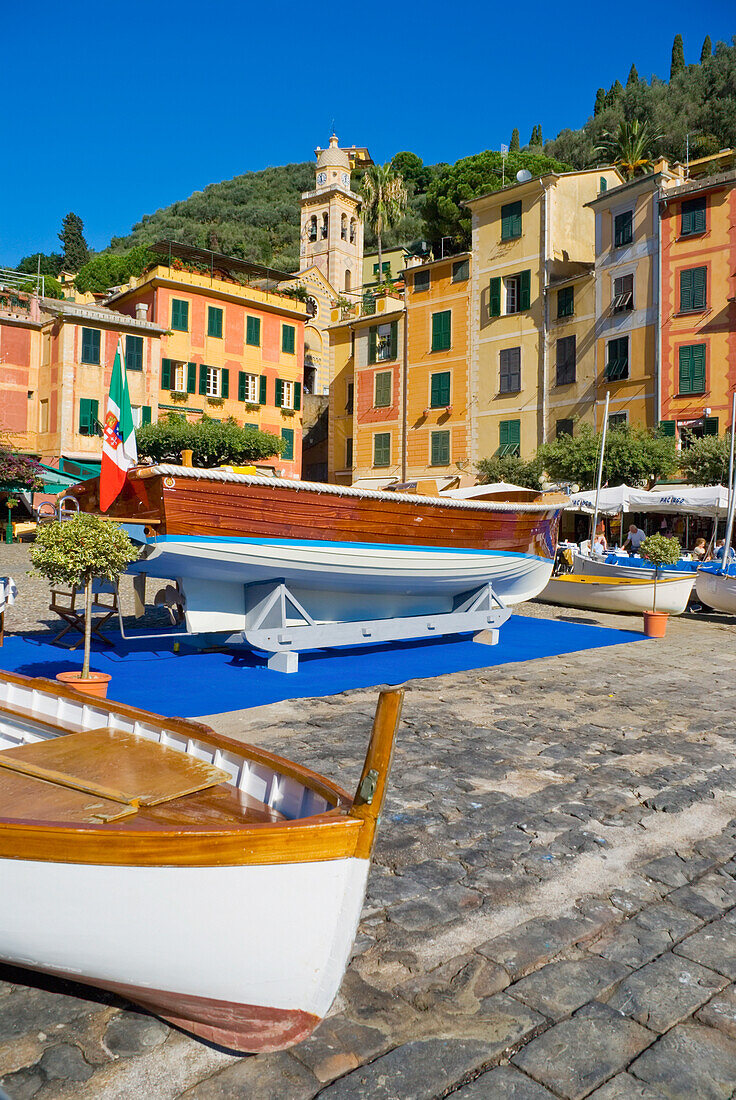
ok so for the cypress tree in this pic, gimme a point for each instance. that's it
(678, 57)
(600, 101)
(707, 50)
(633, 77)
(514, 144)
(540, 139)
(76, 253)
(614, 92)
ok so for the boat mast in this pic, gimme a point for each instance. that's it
(600, 472)
(731, 491)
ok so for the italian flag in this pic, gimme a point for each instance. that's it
(118, 436)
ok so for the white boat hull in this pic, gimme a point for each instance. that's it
(235, 925)
(717, 590)
(334, 581)
(624, 594)
(597, 567)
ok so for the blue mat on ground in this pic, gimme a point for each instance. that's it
(150, 675)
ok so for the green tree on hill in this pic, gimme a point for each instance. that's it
(678, 57)
(514, 143)
(111, 269)
(76, 253)
(600, 101)
(47, 263)
(633, 77)
(707, 51)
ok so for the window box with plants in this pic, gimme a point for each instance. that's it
(218, 402)
(252, 406)
(179, 397)
(288, 412)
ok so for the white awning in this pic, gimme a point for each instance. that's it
(704, 500)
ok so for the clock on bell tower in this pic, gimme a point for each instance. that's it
(331, 227)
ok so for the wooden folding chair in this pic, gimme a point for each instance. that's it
(64, 604)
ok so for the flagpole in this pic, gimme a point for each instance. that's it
(600, 472)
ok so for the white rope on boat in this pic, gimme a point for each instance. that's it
(196, 473)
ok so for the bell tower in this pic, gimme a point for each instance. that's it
(331, 228)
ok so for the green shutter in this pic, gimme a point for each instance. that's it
(179, 315)
(382, 449)
(667, 427)
(145, 415)
(372, 344)
(165, 374)
(297, 395)
(225, 383)
(602, 186)
(566, 301)
(288, 339)
(700, 281)
(134, 353)
(91, 346)
(88, 416)
(442, 330)
(686, 289)
(525, 284)
(692, 368)
(494, 297)
(241, 385)
(279, 393)
(440, 390)
(382, 389)
(692, 217)
(263, 390)
(394, 339)
(214, 321)
(503, 432)
(510, 221)
(191, 377)
(287, 434)
(203, 379)
(434, 392)
(710, 425)
(440, 449)
(253, 332)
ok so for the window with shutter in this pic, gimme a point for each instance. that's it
(710, 425)
(297, 396)
(214, 321)
(179, 315)
(253, 332)
(145, 415)
(288, 339)
(215, 381)
(618, 420)
(177, 377)
(566, 360)
(692, 368)
(165, 374)
(623, 294)
(384, 339)
(510, 221)
(510, 370)
(88, 416)
(191, 377)
(440, 449)
(134, 353)
(563, 427)
(509, 438)
(566, 301)
(668, 428)
(91, 346)
(382, 389)
(279, 393)
(349, 397)
(693, 284)
(602, 184)
(287, 434)
(623, 229)
(494, 297)
(461, 271)
(263, 390)
(203, 379)
(422, 280)
(439, 390)
(692, 217)
(382, 449)
(525, 286)
(248, 387)
(442, 330)
(617, 359)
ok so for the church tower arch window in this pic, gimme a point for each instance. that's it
(344, 227)
(313, 228)
(325, 225)
(353, 229)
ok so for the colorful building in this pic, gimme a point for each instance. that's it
(229, 349)
(366, 438)
(526, 239)
(393, 261)
(572, 379)
(698, 306)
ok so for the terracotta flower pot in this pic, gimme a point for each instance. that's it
(95, 685)
(655, 623)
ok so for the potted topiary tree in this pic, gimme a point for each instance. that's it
(659, 550)
(75, 552)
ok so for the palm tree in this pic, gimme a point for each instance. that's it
(630, 148)
(384, 202)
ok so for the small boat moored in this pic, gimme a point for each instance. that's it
(634, 595)
(213, 883)
(716, 586)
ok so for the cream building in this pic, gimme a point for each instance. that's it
(331, 227)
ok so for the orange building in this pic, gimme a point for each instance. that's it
(698, 306)
(230, 349)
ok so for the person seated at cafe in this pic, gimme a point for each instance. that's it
(699, 550)
(634, 540)
(600, 543)
(720, 551)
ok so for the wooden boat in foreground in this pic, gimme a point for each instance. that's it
(215, 884)
(629, 594)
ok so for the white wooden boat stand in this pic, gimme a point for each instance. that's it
(278, 624)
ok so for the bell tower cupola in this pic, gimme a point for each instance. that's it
(331, 229)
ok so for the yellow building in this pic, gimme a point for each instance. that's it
(392, 265)
(366, 439)
(524, 237)
(571, 342)
(438, 348)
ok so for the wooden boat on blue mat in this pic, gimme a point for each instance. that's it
(213, 883)
(344, 554)
(634, 595)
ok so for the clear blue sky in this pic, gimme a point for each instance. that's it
(114, 111)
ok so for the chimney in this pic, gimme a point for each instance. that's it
(141, 311)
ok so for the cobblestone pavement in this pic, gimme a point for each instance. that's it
(551, 912)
